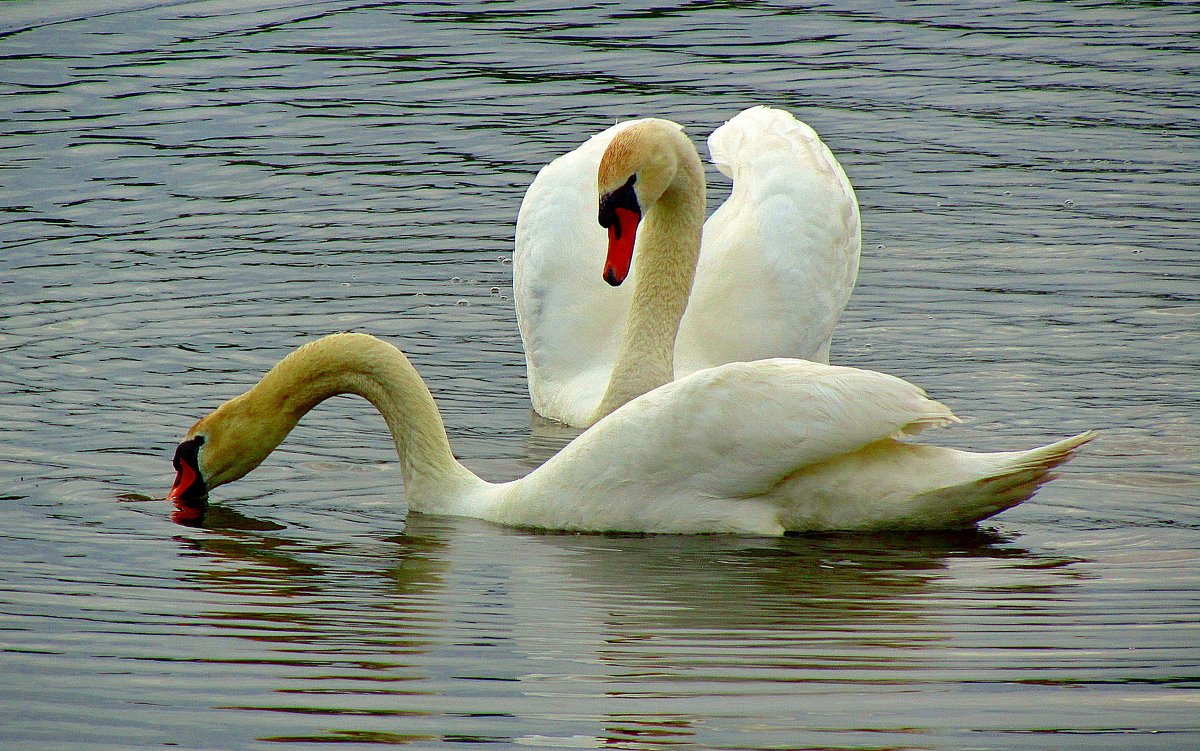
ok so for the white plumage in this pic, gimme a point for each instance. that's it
(777, 264)
(758, 447)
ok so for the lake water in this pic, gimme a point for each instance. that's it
(188, 190)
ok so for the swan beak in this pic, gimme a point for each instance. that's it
(622, 232)
(620, 212)
(189, 492)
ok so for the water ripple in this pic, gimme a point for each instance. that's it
(193, 188)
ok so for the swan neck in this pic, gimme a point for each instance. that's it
(664, 265)
(359, 364)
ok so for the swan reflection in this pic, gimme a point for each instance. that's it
(626, 636)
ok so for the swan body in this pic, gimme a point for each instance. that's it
(776, 268)
(756, 448)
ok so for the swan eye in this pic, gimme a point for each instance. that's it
(624, 197)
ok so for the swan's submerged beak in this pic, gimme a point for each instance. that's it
(620, 213)
(189, 492)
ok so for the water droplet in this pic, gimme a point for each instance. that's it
(1068, 202)
(456, 280)
(880, 247)
(1008, 193)
(495, 290)
(504, 259)
(345, 284)
(503, 297)
(462, 303)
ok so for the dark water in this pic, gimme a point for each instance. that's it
(190, 189)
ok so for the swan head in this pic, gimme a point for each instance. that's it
(220, 448)
(637, 168)
(189, 492)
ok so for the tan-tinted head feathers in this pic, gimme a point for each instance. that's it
(649, 149)
(618, 163)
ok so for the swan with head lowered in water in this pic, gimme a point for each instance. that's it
(776, 265)
(758, 448)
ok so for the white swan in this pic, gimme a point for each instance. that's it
(777, 266)
(755, 448)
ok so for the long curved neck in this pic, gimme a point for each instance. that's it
(668, 248)
(360, 364)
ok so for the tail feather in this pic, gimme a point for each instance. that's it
(1054, 454)
(1011, 481)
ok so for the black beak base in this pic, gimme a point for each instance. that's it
(623, 197)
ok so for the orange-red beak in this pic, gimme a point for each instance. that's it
(622, 232)
(189, 492)
(620, 213)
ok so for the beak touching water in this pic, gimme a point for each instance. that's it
(189, 492)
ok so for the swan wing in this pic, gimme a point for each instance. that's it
(738, 429)
(703, 453)
(780, 257)
(570, 320)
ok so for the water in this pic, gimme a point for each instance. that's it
(190, 189)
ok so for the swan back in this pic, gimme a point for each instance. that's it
(706, 453)
(777, 263)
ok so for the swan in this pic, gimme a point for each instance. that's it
(758, 448)
(777, 264)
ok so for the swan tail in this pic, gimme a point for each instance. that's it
(1014, 477)
(1054, 454)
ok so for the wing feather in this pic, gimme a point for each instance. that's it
(735, 431)
(780, 256)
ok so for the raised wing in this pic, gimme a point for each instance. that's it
(780, 256)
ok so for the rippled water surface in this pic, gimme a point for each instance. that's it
(190, 189)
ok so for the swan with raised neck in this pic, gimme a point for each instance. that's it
(777, 262)
(752, 448)
(651, 186)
